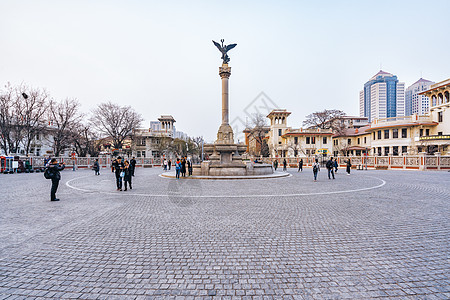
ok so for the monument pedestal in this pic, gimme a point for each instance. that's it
(224, 157)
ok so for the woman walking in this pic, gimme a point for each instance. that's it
(128, 172)
(316, 169)
(178, 168)
(349, 165)
(300, 165)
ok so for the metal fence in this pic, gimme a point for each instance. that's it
(414, 162)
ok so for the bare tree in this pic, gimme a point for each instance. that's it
(258, 131)
(85, 140)
(30, 105)
(64, 117)
(327, 119)
(6, 119)
(116, 122)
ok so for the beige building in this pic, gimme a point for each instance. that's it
(352, 142)
(283, 141)
(151, 142)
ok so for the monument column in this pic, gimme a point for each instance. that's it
(225, 73)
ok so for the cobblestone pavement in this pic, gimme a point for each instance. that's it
(373, 234)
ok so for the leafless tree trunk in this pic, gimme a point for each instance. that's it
(85, 140)
(65, 118)
(116, 122)
(6, 119)
(327, 119)
(258, 131)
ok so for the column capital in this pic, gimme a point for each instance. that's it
(225, 71)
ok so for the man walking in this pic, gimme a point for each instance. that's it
(316, 169)
(118, 167)
(300, 165)
(97, 167)
(132, 166)
(330, 167)
(54, 169)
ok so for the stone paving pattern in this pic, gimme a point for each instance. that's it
(243, 239)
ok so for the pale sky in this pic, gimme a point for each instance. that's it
(157, 56)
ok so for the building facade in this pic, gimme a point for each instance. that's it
(284, 141)
(383, 96)
(415, 103)
(152, 142)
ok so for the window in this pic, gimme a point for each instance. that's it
(296, 140)
(427, 132)
(379, 151)
(440, 117)
(379, 134)
(359, 142)
(280, 132)
(395, 133)
(386, 151)
(404, 133)
(440, 133)
(395, 150)
(421, 132)
(141, 142)
(313, 140)
(386, 134)
(365, 140)
(349, 141)
(308, 140)
(143, 153)
(324, 140)
(404, 149)
(374, 135)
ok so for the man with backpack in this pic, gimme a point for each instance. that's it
(330, 167)
(52, 172)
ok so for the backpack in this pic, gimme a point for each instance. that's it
(48, 174)
(315, 168)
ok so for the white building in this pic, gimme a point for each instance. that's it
(383, 96)
(415, 103)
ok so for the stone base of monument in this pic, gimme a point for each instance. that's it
(209, 168)
(276, 174)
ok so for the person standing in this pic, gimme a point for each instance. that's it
(316, 169)
(349, 165)
(165, 164)
(284, 165)
(169, 164)
(300, 165)
(335, 165)
(189, 163)
(330, 167)
(127, 176)
(117, 167)
(183, 167)
(275, 164)
(178, 168)
(97, 167)
(55, 175)
(133, 165)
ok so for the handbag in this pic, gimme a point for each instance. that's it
(122, 174)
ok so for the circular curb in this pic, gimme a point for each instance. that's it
(270, 176)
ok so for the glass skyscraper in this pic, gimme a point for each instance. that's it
(383, 96)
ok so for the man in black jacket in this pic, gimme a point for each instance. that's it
(118, 167)
(54, 169)
(330, 168)
(132, 165)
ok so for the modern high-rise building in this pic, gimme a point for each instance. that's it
(383, 96)
(415, 103)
